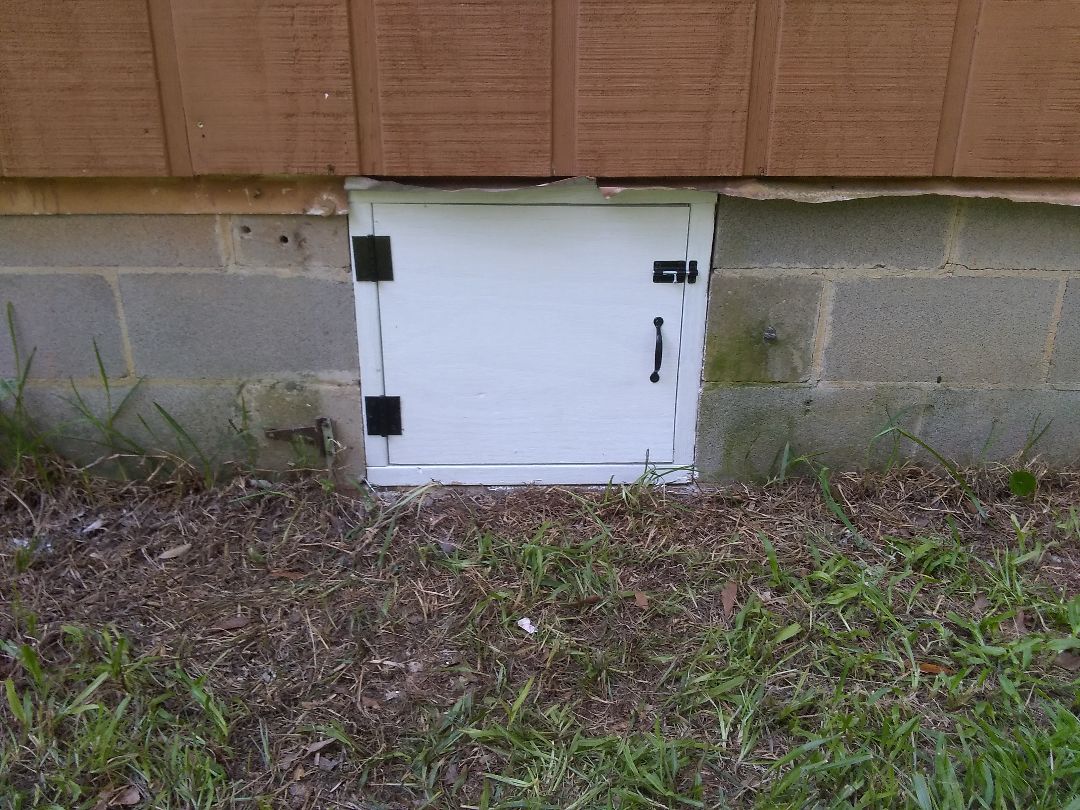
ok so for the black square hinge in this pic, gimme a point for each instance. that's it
(383, 416)
(674, 272)
(371, 258)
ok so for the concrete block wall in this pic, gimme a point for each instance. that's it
(957, 319)
(232, 324)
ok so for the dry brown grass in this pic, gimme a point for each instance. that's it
(320, 617)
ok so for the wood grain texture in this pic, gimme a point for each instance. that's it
(465, 87)
(952, 109)
(172, 98)
(663, 86)
(762, 79)
(564, 87)
(267, 86)
(1022, 117)
(859, 86)
(78, 92)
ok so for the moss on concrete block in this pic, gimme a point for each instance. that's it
(761, 329)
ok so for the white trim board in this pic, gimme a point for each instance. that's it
(691, 348)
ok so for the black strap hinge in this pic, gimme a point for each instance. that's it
(383, 416)
(674, 272)
(371, 258)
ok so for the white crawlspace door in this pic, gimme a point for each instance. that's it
(530, 342)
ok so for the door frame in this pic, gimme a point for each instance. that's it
(702, 219)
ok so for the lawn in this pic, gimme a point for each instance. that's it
(895, 640)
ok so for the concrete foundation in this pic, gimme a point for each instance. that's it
(228, 324)
(958, 320)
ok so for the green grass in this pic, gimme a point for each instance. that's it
(100, 720)
(866, 661)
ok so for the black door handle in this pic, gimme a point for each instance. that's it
(658, 357)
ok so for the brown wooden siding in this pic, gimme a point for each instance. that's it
(78, 90)
(906, 88)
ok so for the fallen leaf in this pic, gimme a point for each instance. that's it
(126, 797)
(727, 598)
(233, 623)
(290, 575)
(318, 746)
(1020, 623)
(928, 668)
(175, 551)
(1069, 661)
(641, 600)
(527, 625)
(451, 775)
(585, 602)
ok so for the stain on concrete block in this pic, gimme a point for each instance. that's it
(979, 426)
(219, 422)
(150, 240)
(945, 330)
(743, 431)
(297, 242)
(295, 403)
(898, 232)
(999, 234)
(225, 326)
(761, 329)
(60, 316)
(1065, 364)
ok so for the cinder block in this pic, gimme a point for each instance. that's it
(947, 330)
(109, 241)
(60, 316)
(1065, 364)
(225, 326)
(761, 329)
(894, 232)
(205, 413)
(743, 431)
(298, 242)
(979, 426)
(295, 403)
(221, 422)
(999, 234)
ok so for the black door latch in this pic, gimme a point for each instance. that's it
(674, 272)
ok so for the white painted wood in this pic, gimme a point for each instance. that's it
(514, 335)
(699, 246)
(520, 335)
(368, 333)
(509, 475)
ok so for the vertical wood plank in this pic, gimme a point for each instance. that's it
(169, 91)
(662, 86)
(365, 78)
(267, 86)
(78, 90)
(564, 87)
(1022, 116)
(465, 87)
(952, 110)
(762, 79)
(859, 86)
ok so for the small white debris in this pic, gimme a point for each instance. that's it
(93, 527)
(527, 625)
